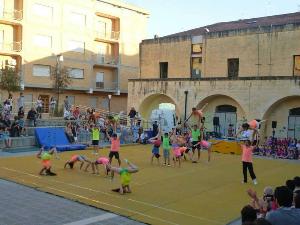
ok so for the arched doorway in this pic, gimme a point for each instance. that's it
(226, 108)
(161, 108)
(227, 118)
(294, 123)
(285, 112)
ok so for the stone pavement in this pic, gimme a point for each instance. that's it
(20, 205)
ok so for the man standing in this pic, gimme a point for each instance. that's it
(21, 101)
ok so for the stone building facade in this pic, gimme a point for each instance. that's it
(244, 70)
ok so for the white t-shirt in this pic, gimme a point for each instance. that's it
(247, 134)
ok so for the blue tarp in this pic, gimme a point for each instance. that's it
(55, 137)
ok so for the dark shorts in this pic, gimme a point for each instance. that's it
(197, 147)
(95, 142)
(114, 154)
(157, 155)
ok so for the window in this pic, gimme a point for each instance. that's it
(196, 48)
(42, 11)
(163, 66)
(76, 73)
(93, 102)
(296, 65)
(294, 123)
(233, 68)
(76, 46)
(71, 100)
(100, 80)
(78, 19)
(42, 41)
(41, 70)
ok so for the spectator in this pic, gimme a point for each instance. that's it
(230, 131)
(31, 116)
(132, 115)
(15, 129)
(285, 215)
(297, 183)
(76, 113)
(265, 204)
(144, 138)
(290, 184)
(248, 215)
(52, 106)
(155, 129)
(21, 101)
(39, 107)
(5, 135)
(66, 104)
(10, 101)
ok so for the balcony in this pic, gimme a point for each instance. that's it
(10, 47)
(11, 16)
(106, 61)
(106, 86)
(108, 37)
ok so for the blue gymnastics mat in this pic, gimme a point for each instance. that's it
(55, 137)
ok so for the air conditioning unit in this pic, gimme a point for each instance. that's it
(91, 90)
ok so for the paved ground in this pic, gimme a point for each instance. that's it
(26, 206)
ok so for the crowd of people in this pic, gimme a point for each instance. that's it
(286, 148)
(279, 206)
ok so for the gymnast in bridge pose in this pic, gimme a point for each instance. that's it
(78, 158)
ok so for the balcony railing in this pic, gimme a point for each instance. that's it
(11, 14)
(11, 47)
(113, 35)
(106, 86)
(106, 60)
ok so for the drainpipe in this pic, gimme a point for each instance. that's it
(185, 103)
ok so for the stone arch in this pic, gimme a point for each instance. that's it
(152, 101)
(220, 100)
(279, 111)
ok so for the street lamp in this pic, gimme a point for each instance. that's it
(109, 99)
(185, 103)
(59, 60)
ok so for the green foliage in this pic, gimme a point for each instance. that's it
(10, 80)
(61, 79)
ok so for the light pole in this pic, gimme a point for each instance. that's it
(185, 104)
(59, 60)
(109, 99)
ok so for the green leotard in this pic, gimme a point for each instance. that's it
(166, 143)
(195, 134)
(46, 156)
(125, 176)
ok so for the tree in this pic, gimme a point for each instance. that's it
(61, 80)
(10, 80)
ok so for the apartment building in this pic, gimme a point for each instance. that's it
(97, 41)
(246, 69)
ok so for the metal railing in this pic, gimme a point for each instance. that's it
(112, 86)
(12, 14)
(106, 60)
(112, 35)
(12, 46)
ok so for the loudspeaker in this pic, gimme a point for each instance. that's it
(216, 121)
(274, 124)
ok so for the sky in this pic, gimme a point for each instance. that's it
(172, 16)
